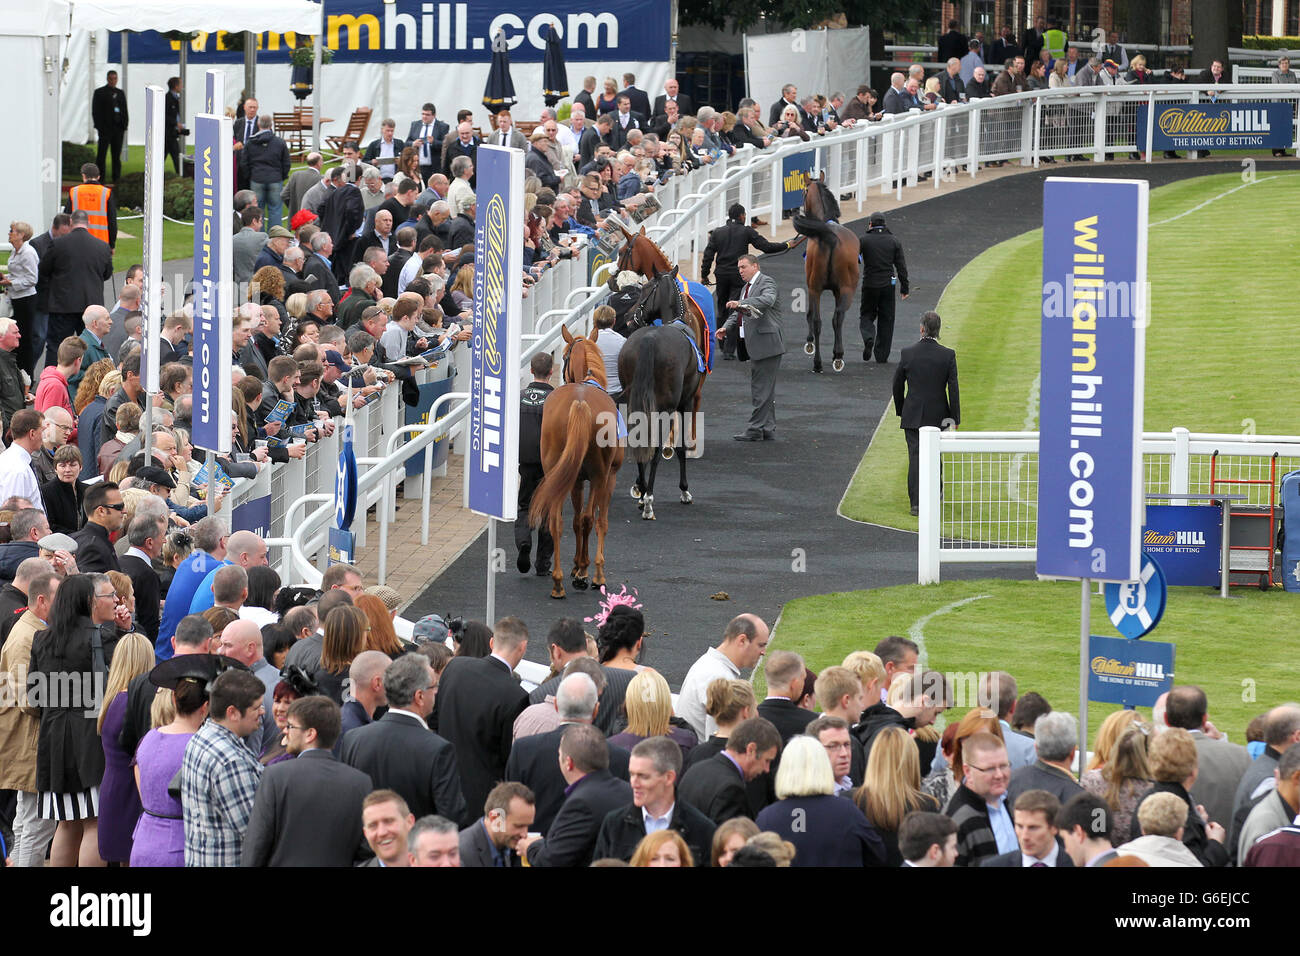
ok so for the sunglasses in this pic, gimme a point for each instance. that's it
(120, 506)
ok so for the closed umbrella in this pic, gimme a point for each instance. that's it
(555, 76)
(500, 92)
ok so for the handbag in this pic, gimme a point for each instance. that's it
(6, 306)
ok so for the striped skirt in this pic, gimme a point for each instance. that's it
(83, 805)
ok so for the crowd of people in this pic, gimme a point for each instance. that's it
(281, 726)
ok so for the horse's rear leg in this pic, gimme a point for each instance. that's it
(638, 487)
(815, 322)
(581, 530)
(842, 300)
(686, 495)
(557, 570)
(648, 492)
(601, 496)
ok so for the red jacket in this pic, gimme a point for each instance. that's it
(53, 390)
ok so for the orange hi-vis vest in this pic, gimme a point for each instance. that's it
(92, 198)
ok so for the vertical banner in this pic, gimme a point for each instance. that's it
(493, 461)
(213, 289)
(214, 92)
(796, 171)
(1090, 493)
(151, 295)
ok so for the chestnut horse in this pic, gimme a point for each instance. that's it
(831, 262)
(580, 444)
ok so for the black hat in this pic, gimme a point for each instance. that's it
(877, 219)
(153, 475)
(197, 667)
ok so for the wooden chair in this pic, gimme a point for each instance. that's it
(293, 129)
(358, 123)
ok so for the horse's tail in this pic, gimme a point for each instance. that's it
(816, 229)
(640, 394)
(548, 499)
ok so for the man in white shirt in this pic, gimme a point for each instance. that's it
(743, 643)
(16, 475)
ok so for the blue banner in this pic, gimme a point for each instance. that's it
(1132, 673)
(254, 516)
(1090, 421)
(213, 290)
(796, 171)
(1187, 541)
(493, 459)
(345, 482)
(418, 414)
(418, 31)
(342, 546)
(1218, 126)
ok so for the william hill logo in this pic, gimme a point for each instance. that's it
(1110, 667)
(796, 181)
(1200, 121)
(494, 282)
(1175, 537)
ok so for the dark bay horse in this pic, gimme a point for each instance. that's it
(660, 372)
(579, 444)
(831, 262)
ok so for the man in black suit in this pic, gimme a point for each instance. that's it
(655, 766)
(500, 836)
(103, 507)
(585, 97)
(625, 118)
(427, 135)
(1033, 40)
(400, 753)
(70, 278)
(146, 535)
(532, 758)
(785, 672)
(638, 98)
(341, 216)
(1054, 740)
(670, 94)
(1084, 826)
(883, 268)
(717, 785)
(464, 144)
(308, 810)
(953, 43)
(108, 111)
(789, 97)
(1035, 818)
(1005, 47)
(173, 124)
(244, 128)
(477, 707)
(593, 794)
(925, 393)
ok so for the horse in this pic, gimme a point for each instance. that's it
(660, 369)
(580, 443)
(831, 262)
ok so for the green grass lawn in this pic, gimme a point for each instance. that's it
(1238, 649)
(1216, 349)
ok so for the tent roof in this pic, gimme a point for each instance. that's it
(48, 18)
(257, 16)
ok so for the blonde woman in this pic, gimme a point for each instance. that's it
(825, 829)
(119, 800)
(728, 702)
(730, 836)
(891, 788)
(782, 852)
(649, 706)
(1125, 779)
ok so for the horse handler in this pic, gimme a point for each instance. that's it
(728, 243)
(757, 317)
(531, 400)
(883, 267)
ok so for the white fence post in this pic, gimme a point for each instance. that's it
(973, 142)
(929, 518)
(1180, 467)
(1099, 130)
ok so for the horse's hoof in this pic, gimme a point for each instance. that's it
(668, 453)
(686, 498)
(808, 348)
(557, 595)
(636, 492)
(648, 512)
(580, 584)
(838, 365)
(817, 369)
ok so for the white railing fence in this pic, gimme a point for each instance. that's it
(978, 491)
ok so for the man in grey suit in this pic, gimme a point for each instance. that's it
(247, 244)
(1220, 765)
(761, 341)
(499, 838)
(308, 810)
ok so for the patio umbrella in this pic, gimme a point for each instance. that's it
(500, 92)
(555, 77)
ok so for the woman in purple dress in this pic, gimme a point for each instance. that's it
(160, 833)
(119, 802)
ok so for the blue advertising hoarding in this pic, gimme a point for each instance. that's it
(796, 171)
(213, 289)
(1093, 338)
(151, 289)
(1218, 126)
(1187, 541)
(1132, 673)
(345, 481)
(493, 460)
(254, 516)
(418, 414)
(419, 31)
